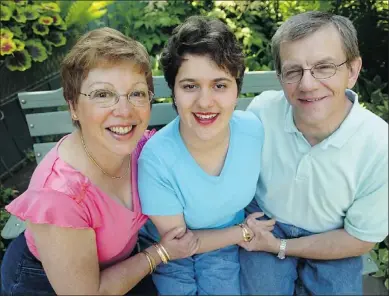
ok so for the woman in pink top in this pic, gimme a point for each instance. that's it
(82, 207)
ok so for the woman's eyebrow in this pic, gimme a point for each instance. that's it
(214, 80)
(99, 83)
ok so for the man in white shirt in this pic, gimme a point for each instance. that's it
(325, 167)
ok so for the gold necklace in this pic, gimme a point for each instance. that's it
(102, 170)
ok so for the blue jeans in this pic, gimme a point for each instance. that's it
(211, 273)
(23, 274)
(263, 273)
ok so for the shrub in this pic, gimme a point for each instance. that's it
(28, 32)
(6, 195)
(30, 29)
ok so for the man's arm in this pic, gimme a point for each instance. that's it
(336, 244)
(331, 245)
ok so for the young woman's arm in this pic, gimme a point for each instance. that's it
(211, 239)
(69, 257)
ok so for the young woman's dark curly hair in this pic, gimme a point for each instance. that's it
(203, 36)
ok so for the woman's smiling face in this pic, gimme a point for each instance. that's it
(118, 128)
(205, 96)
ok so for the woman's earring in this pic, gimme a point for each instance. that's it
(74, 117)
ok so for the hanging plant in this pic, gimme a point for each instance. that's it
(29, 29)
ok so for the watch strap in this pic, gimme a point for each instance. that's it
(282, 252)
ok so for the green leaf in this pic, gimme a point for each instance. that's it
(18, 61)
(56, 38)
(383, 255)
(377, 81)
(36, 50)
(387, 283)
(19, 15)
(5, 13)
(40, 29)
(374, 255)
(75, 13)
(32, 12)
(379, 273)
(138, 24)
(17, 30)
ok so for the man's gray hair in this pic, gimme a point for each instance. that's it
(304, 24)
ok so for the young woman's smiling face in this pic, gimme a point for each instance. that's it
(205, 96)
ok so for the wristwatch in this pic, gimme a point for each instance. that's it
(281, 253)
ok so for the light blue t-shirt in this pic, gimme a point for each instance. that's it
(170, 182)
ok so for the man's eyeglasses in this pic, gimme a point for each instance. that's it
(319, 71)
(106, 98)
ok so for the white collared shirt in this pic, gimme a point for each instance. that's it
(340, 182)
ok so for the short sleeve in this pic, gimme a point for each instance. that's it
(258, 101)
(47, 206)
(156, 192)
(367, 218)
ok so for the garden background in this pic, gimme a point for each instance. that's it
(35, 35)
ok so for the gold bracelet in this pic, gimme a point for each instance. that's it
(247, 237)
(151, 261)
(161, 253)
(165, 251)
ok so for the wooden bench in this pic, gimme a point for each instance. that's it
(44, 123)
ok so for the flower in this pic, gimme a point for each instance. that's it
(40, 29)
(45, 20)
(6, 33)
(57, 19)
(7, 46)
(20, 60)
(36, 50)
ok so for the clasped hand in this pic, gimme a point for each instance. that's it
(263, 239)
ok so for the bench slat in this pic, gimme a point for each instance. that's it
(41, 149)
(13, 228)
(253, 82)
(59, 122)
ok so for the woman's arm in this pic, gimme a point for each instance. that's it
(69, 257)
(209, 240)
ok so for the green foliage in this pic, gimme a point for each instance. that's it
(26, 32)
(370, 18)
(30, 155)
(149, 22)
(255, 22)
(30, 29)
(78, 14)
(372, 95)
(380, 255)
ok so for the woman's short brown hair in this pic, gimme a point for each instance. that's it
(97, 47)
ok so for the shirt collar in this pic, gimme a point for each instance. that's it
(290, 127)
(348, 127)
